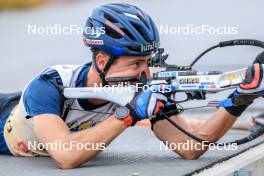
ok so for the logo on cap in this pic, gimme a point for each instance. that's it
(154, 45)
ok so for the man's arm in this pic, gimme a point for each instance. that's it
(211, 130)
(50, 128)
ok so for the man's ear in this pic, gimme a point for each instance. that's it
(101, 60)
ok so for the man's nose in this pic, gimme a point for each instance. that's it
(148, 74)
(145, 69)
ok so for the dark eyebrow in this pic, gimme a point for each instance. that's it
(141, 60)
(144, 59)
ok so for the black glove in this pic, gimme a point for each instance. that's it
(251, 88)
(259, 59)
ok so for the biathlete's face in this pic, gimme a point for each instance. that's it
(127, 66)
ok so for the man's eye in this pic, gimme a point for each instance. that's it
(138, 63)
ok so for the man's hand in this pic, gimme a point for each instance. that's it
(145, 104)
(253, 83)
(254, 77)
(251, 88)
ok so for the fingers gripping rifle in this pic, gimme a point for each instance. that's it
(186, 84)
(218, 81)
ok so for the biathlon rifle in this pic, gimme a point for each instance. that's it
(187, 84)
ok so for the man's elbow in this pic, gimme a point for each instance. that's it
(190, 154)
(66, 160)
(67, 165)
